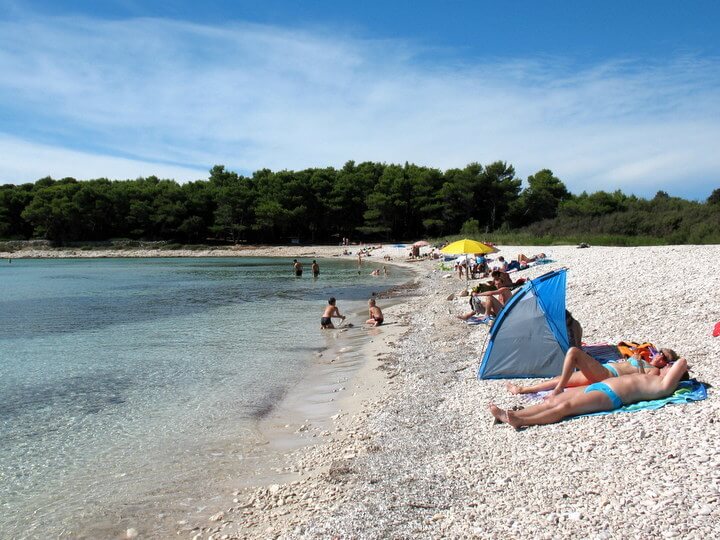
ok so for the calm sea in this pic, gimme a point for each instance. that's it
(123, 381)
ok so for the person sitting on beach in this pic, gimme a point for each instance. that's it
(500, 264)
(592, 371)
(297, 267)
(494, 300)
(481, 266)
(331, 311)
(376, 314)
(597, 397)
(504, 280)
(315, 268)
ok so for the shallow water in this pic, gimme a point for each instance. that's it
(126, 383)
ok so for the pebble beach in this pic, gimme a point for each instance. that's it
(413, 450)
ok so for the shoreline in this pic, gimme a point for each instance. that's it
(267, 456)
(290, 434)
(232, 251)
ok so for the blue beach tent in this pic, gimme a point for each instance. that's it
(529, 337)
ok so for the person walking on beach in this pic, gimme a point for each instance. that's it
(297, 267)
(315, 269)
(376, 314)
(331, 311)
(601, 396)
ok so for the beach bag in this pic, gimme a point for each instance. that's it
(631, 348)
(476, 305)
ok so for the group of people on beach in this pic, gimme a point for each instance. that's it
(585, 385)
(332, 312)
(480, 266)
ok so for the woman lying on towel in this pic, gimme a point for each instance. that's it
(601, 396)
(525, 260)
(592, 371)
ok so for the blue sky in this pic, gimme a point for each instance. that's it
(609, 95)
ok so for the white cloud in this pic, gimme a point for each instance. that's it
(26, 162)
(251, 96)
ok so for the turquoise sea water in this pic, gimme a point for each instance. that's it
(124, 380)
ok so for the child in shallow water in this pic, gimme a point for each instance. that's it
(376, 314)
(331, 311)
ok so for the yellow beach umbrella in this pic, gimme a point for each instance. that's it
(467, 246)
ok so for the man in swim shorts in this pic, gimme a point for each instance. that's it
(376, 315)
(592, 371)
(297, 267)
(603, 396)
(331, 311)
(315, 268)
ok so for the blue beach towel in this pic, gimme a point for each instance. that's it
(480, 320)
(603, 352)
(539, 262)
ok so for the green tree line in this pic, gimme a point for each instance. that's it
(371, 201)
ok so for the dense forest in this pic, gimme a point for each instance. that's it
(366, 201)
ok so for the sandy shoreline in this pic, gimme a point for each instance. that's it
(230, 251)
(418, 456)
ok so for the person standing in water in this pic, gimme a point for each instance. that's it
(331, 311)
(297, 267)
(315, 269)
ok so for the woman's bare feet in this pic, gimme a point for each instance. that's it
(513, 420)
(514, 388)
(498, 413)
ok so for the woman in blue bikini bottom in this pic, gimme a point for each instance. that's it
(597, 397)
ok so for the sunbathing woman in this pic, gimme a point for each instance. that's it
(597, 397)
(592, 371)
(524, 260)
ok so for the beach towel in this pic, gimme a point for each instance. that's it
(480, 320)
(716, 330)
(530, 265)
(603, 352)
